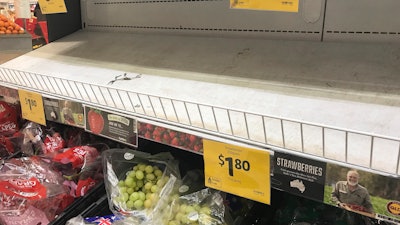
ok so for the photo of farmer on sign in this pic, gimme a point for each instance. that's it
(369, 194)
(350, 195)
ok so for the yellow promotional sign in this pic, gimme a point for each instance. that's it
(272, 5)
(238, 170)
(52, 6)
(32, 106)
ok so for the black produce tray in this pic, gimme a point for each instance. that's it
(80, 205)
(98, 208)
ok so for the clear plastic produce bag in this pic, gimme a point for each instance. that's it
(204, 207)
(30, 189)
(139, 184)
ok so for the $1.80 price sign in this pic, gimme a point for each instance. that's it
(32, 106)
(234, 164)
(238, 170)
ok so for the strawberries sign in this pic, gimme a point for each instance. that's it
(171, 137)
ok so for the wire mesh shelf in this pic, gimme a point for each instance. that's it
(371, 151)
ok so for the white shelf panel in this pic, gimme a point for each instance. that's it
(332, 101)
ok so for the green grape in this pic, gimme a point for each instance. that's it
(130, 204)
(135, 168)
(124, 196)
(185, 220)
(147, 203)
(138, 204)
(142, 167)
(140, 183)
(158, 173)
(189, 209)
(154, 188)
(179, 216)
(130, 190)
(121, 183)
(148, 169)
(205, 210)
(134, 196)
(142, 195)
(129, 182)
(150, 176)
(160, 183)
(148, 195)
(182, 208)
(139, 175)
(122, 189)
(131, 174)
(153, 197)
(148, 186)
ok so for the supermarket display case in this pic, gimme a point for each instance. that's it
(302, 85)
(41, 28)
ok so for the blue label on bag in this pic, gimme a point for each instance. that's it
(102, 220)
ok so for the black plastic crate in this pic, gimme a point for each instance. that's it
(80, 205)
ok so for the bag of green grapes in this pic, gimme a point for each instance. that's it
(139, 184)
(203, 207)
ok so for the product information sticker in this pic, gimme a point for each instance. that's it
(111, 125)
(52, 6)
(271, 5)
(64, 111)
(238, 170)
(32, 106)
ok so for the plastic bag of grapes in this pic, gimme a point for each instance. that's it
(204, 207)
(139, 184)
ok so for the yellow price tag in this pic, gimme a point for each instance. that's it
(272, 5)
(238, 170)
(32, 106)
(52, 6)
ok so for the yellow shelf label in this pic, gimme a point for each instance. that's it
(32, 106)
(52, 6)
(238, 170)
(272, 5)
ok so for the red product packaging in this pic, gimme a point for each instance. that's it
(53, 143)
(77, 156)
(30, 182)
(8, 119)
(31, 215)
(84, 186)
(30, 189)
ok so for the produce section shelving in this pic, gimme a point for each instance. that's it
(75, 69)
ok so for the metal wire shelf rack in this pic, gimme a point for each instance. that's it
(374, 152)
